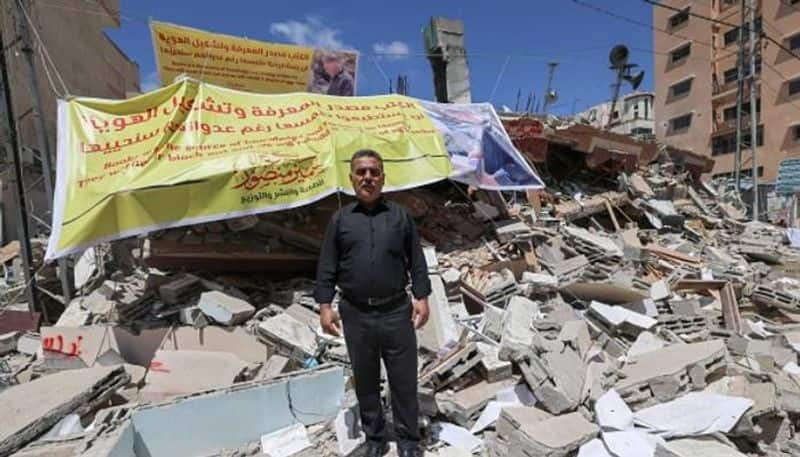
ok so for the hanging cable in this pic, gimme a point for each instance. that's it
(43, 47)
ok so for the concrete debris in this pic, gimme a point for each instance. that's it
(628, 309)
(225, 309)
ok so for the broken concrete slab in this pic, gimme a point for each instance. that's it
(663, 374)
(621, 319)
(225, 309)
(217, 339)
(32, 408)
(694, 414)
(576, 335)
(517, 332)
(175, 373)
(229, 417)
(701, 447)
(612, 413)
(441, 327)
(464, 406)
(555, 437)
(286, 441)
(288, 334)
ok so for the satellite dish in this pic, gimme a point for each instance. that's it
(636, 80)
(618, 55)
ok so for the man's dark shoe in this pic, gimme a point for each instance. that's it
(376, 449)
(413, 452)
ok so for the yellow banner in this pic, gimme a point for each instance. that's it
(239, 63)
(193, 152)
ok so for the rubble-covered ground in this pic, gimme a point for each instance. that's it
(632, 315)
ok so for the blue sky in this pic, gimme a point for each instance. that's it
(521, 36)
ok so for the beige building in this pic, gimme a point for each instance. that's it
(695, 79)
(633, 115)
(89, 63)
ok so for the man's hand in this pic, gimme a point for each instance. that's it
(329, 320)
(420, 313)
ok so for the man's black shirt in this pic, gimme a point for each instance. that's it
(370, 253)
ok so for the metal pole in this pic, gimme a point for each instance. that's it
(617, 86)
(552, 69)
(737, 158)
(43, 141)
(12, 146)
(753, 103)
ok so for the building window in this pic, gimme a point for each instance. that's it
(732, 35)
(641, 131)
(680, 122)
(729, 113)
(794, 42)
(745, 173)
(796, 131)
(726, 144)
(681, 88)
(681, 53)
(679, 18)
(731, 75)
(794, 86)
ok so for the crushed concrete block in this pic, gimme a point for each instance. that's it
(661, 375)
(290, 335)
(8, 342)
(645, 342)
(556, 379)
(464, 406)
(541, 282)
(555, 437)
(451, 367)
(492, 368)
(576, 334)
(178, 291)
(621, 318)
(492, 322)
(513, 417)
(517, 332)
(225, 309)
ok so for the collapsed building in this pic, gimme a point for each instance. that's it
(629, 309)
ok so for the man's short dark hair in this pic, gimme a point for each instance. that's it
(365, 153)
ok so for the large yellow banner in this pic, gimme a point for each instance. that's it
(193, 152)
(239, 63)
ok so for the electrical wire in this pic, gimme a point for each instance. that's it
(43, 47)
(636, 22)
(499, 77)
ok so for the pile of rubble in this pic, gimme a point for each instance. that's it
(637, 316)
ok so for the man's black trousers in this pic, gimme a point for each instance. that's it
(388, 334)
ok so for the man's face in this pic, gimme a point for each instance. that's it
(332, 67)
(366, 176)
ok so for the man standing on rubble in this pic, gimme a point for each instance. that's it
(371, 248)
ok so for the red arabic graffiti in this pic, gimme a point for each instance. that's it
(57, 344)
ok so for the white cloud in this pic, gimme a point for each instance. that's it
(150, 82)
(311, 32)
(394, 50)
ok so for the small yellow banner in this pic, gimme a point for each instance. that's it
(193, 152)
(255, 66)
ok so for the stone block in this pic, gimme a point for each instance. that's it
(225, 309)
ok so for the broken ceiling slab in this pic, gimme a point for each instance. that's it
(694, 414)
(219, 339)
(31, 408)
(663, 374)
(230, 417)
(174, 373)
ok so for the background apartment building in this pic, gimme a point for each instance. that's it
(633, 115)
(695, 79)
(72, 31)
